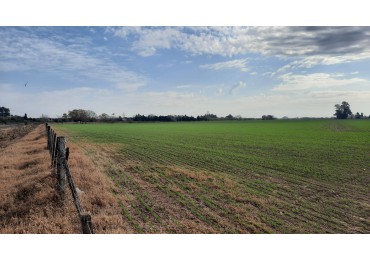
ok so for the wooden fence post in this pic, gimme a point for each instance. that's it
(85, 218)
(49, 141)
(61, 167)
(86, 223)
(54, 149)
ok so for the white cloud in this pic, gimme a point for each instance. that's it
(292, 82)
(130, 87)
(340, 94)
(124, 32)
(183, 86)
(330, 44)
(231, 64)
(309, 62)
(236, 87)
(149, 40)
(146, 52)
(24, 50)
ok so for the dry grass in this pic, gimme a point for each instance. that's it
(28, 199)
(8, 134)
(96, 196)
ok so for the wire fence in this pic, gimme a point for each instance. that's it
(59, 155)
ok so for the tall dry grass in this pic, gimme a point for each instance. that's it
(28, 198)
(97, 194)
(28, 201)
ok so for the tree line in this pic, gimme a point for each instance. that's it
(342, 111)
(7, 118)
(81, 115)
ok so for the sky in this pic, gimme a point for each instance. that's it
(249, 71)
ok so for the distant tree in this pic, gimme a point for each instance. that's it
(168, 118)
(359, 116)
(104, 117)
(229, 117)
(342, 111)
(4, 112)
(207, 117)
(25, 117)
(139, 117)
(91, 115)
(268, 117)
(82, 115)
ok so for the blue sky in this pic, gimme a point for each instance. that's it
(247, 71)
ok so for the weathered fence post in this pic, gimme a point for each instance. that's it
(53, 150)
(67, 153)
(86, 223)
(61, 167)
(49, 141)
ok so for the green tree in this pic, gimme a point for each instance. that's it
(359, 116)
(268, 117)
(104, 117)
(343, 111)
(82, 115)
(4, 112)
(229, 116)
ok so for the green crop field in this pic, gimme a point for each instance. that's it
(278, 176)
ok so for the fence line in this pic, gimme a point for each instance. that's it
(59, 159)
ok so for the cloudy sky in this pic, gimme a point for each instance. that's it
(248, 71)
